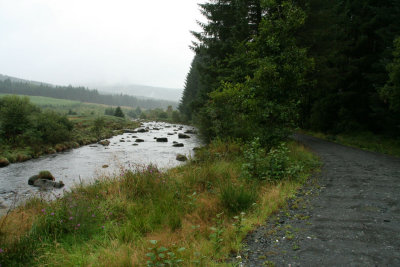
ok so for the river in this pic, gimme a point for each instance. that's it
(87, 163)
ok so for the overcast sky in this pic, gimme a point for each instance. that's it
(82, 42)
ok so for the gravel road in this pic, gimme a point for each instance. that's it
(349, 215)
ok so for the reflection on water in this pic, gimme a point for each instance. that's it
(86, 163)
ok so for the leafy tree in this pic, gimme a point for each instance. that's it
(15, 116)
(52, 127)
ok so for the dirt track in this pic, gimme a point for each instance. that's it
(350, 217)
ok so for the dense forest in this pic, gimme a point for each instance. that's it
(80, 94)
(263, 68)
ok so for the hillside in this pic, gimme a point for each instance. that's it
(170, 94)
(12, 85)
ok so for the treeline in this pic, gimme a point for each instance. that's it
(263, 68)
(80, 94)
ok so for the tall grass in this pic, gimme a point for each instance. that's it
(189, 210)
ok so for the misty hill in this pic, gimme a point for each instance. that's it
(142, 90)
(11, 85)
(14, 79)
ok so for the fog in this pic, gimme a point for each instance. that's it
(82, 42)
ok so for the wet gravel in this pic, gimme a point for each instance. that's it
(347, 215)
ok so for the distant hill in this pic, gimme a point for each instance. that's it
(14, 79)
(141, 90)
(12, 85)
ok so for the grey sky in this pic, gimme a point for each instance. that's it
(98, 41)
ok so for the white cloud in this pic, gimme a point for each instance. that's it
(98, 41)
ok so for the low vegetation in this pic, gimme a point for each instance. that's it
(194, 215)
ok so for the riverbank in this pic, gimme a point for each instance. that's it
(189, 215)
(84, 132)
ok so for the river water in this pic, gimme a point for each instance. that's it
(87, 163)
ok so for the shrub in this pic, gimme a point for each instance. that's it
(256, 165)
(278, 162)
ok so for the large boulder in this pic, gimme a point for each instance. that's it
(183, 136)
(104, 142)
(4, 162)
(191, 132)
(43, 175)
(162, 139)
(181, 157)
(142, 130)
(129, 131)
(43, 183)
(32, 179)
(139, 140)
(178, 145)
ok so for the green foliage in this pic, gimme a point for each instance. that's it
(118, 112)
(252, 75)
(217, 232)
(278, 163)
(162, 256)
(255, 165)
(23, 123)
(274, 166)
(51, 127)
(391, 91)
(15, 116)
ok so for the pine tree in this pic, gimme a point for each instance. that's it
(118, 112)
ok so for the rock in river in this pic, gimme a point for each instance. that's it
(181, 157)
(139, 140)
(183, 136)
(162, 139)
(178, 145)
(104, 142)
(44, 183)
(4, 162)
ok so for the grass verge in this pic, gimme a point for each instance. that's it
(363, 140)
(194, 215)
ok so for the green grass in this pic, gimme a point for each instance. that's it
(113, 221)
(364, 140)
